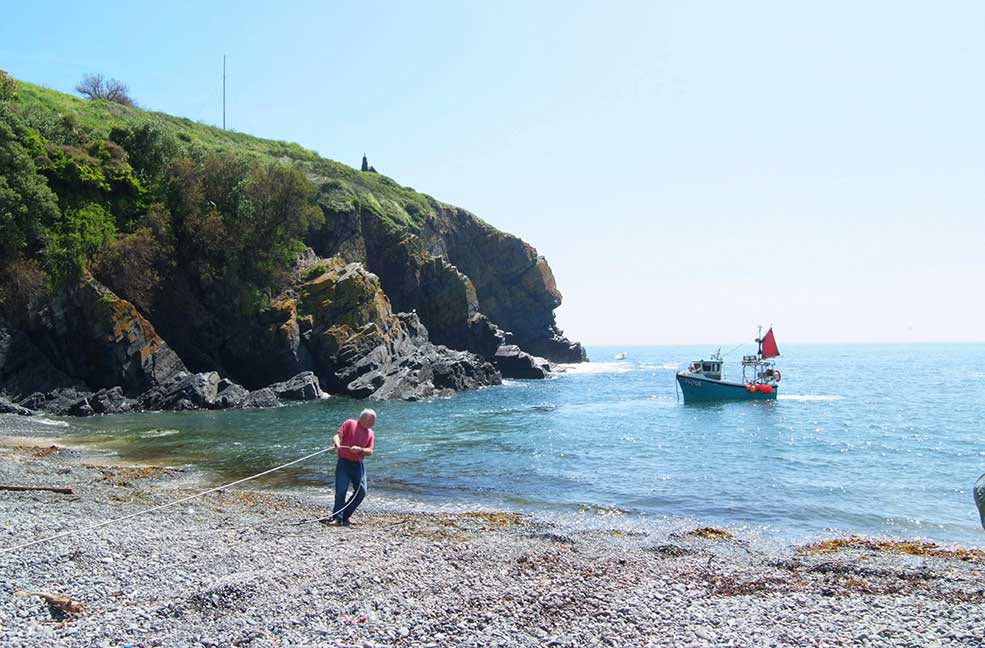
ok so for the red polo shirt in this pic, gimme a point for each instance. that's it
(353, 434)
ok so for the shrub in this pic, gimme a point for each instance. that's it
(96, 86)
(132, 265)
(75, 238)
(315, 271)
(150, 149)
(27, 204)
(8, 86)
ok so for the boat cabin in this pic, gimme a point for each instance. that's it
(707, 368)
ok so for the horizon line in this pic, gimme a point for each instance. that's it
(795, 342)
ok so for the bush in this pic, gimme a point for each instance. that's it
(150, 149)
(8, 86)
(96, 86)
(315, 271)
(132, 265)
(27, 204)
(77, 236)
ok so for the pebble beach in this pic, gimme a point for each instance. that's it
(252, 568)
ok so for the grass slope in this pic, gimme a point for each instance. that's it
(342, 187)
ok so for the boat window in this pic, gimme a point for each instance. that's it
(706, 367)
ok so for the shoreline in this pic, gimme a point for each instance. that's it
(236, 569)
(388, 501)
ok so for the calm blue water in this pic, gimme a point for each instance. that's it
(869, 439)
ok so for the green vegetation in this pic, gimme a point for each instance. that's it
(405, 206)
(149, 202)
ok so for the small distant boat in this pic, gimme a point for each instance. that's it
(705, 380)
(622, 356)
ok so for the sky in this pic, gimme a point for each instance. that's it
(689, 170)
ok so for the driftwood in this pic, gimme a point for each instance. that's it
(56, 602)
(54, 489)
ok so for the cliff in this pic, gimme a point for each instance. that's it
(153, 262)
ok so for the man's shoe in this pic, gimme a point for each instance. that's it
(330, 522)
(346, 523)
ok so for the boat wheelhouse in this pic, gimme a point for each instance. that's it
(704, 380)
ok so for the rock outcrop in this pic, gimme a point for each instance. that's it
(465, 279)
(360, 347)
(514, 363)
(514, 284)
(6, 407)
(90, 334)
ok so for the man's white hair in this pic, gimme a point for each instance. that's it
(367, 412)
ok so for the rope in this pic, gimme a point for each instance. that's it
(175, 502)
(733, 349)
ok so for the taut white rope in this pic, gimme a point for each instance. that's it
(163, 506)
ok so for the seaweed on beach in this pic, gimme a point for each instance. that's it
(907, 547)
(711, 533)
(124, 475)
(728, 585)
(669, 550)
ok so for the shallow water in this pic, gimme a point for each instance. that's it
(866, 439)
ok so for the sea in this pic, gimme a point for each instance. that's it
(877, 440)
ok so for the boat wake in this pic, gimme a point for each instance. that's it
(49, 422)
(156, 433)
(810, 397)
(588, 368)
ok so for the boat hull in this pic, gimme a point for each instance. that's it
(699, 390)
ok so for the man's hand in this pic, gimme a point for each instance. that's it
(356, 449)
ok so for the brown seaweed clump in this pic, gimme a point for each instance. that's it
(711, 533)
(907, 547)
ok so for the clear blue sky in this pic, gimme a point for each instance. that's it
(688, 171)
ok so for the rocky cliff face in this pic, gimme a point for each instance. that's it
(91, 352)
(359, 346)
(514, 284)
(100, 340)
(464, 279)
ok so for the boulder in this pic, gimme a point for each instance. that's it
(184, 391)
(6, 407)
(110, 401)
(57, 401)
(229, 394)
(260, 398)
(302, 387)
(552, 344)
(80, 407)
(514, 363)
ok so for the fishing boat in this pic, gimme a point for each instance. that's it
(622, 356)
(704, 380)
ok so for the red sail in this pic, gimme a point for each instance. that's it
(769, 345)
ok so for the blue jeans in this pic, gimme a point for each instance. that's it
(346, 473)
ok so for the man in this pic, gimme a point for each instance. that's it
(353, 443)
(980, 498)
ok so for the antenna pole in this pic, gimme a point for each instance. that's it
(223, 92)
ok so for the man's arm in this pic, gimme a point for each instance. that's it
(336, 442)
(368, 449)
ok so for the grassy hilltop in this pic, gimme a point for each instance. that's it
(346, 185)
(84, 182)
